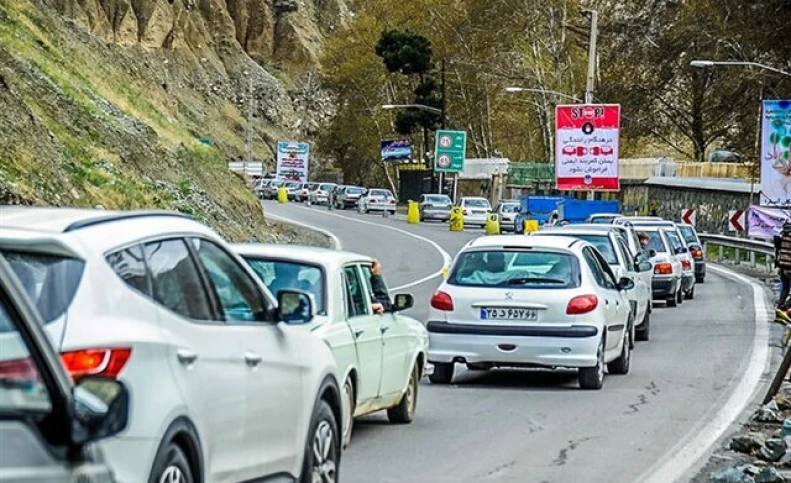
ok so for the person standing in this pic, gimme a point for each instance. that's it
(782, 244)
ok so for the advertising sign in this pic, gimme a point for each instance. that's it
(292, 161)
(396, 149)
(586, 147)
(764, 222)
(776, 153)
(450, 148)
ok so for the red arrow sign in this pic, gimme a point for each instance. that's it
(736, 220)
(688, 216)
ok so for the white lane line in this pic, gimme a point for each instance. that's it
(336, 242)
(446, 258)
(692, 448)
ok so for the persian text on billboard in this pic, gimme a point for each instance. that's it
(292, 161)
(586, 148)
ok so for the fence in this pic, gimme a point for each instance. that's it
(734, 249)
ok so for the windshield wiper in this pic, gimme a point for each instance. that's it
(524, 280)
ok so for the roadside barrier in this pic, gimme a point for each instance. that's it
(282, 195)
(413, 213)
(531, 225)
(492, 224)
(456, 222)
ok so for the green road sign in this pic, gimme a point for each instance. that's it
(450, 149)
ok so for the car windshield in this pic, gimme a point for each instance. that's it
(380, 193)
(438, 199)
(326, 187)
(603, 220)
(689, 233)
(476, 203)
(515, 269)
(354, 191)
(51, 281)
(675, 240)
(510, 208)
(655, 242)
(286, 275)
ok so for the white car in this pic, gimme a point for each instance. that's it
(221, 389)
(623, 263)
(381, 358)
(321, 195)
(549, 301)
(475, 210)
(377, 199)
(603, 218)
(667, 282)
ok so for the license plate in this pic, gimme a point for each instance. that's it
(477, 212)
(493, 313)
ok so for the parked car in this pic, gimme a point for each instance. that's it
(434, 207)
(49, 427)
(303, 193)
(695, 249)
(667, 281)
(292, 190)
(475, 210)
(348, 196)
(260, 187)
(603, 218)
(514, 301)
(624, 263)
(377, 199)
(271, 189)
(687, 263)
(159, 302)
(507, 211)
(381, 358)
(321, 195)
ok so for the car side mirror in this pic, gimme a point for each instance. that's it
(643, 266)
(680, 250)
(403, 301)
(625, 283)
(294, 307)
(100, 407)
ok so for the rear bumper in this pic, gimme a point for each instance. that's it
(475, 220)
(687, 281)
(436, 215)
(700, 268)
(380, 207)
(574, 346)
(664, 287)
(507, 225)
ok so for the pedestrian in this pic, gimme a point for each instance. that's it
(380, 299)
(782, 244)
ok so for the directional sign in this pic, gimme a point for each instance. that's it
(688, 216)
(736, 220)
(450, 150)
(586, 147)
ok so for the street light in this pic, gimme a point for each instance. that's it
(712, 63)
(540, 91)
(422, 107)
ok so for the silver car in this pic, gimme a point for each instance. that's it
(434, 207)
(52, 423)
(506, 211)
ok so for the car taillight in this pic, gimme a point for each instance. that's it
(663, 269)
(582, 304)
(107, 362)
(372, 201)
(392, 202)
(686, 264)
(19, 370)
(697, 254)
(442, 301)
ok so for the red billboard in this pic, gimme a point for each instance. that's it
(586, 147)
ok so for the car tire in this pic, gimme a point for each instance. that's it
(700, 279)
(443, 373)
(644, 331)
(690, 295)
(593, 377)
(323, 441)
(404, 413)
(680, 297)
(171, 465)
(349, 405)
(621, 365)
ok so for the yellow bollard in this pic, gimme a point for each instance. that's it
(413, 213)
(282, 195)
(531, 225)
(456, 221)
(492, 224)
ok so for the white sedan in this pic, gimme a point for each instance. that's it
(531, 302)
(377, 200)
(475, 210)
(381, 358)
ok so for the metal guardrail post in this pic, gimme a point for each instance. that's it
(720, 255)
(752, 259)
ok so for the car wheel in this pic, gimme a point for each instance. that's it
(443, 373)
(322, 452)
(680, 296)
(593, 377)
(700, 279)
(644, 331)
(621, 365)
(348, 410)
(404, 413)
(171, 466)
(691, 294)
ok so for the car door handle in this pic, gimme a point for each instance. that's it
(252, 359)
(358, 333)
(606, 302)
(186, 356)
(384, 329)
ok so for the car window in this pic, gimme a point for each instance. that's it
(675, 240)
(239, 296)
(626, 253)
(515, 269)
(357, 295)
(21, 385)
(603, 243)
(130, 265)
(326, 187)
(367, 274)
(175, 280)
(609, 276)
(509, 208)
(384, 193)
(655, 242)
(279, 275)
(597, 268)
(476, 203)
(354, 191)
(51, 281)
(438, 199)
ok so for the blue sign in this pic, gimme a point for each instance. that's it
(396, 149)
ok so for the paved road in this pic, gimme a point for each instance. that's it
(534, 426)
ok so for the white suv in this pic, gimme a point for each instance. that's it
(220, 390)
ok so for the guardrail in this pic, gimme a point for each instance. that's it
(733, 249)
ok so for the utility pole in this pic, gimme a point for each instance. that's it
(250, 122)
(589, 85)
(442, 118)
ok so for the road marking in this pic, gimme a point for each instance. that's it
(446, 258)
(693, 447)
(336, 242)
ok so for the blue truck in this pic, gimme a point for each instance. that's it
(569, 210)
(574, 211)
(538, 207)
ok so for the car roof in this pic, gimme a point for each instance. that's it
(304, 253)
(64, 220)
(501, 241)
(473, 198)
(572, 232)
(606, 215)
(594, 227)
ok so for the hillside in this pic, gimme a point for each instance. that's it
(141, 103)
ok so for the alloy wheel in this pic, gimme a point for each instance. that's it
(172, 474)
(324, 454)
(600, 356)
(348, 395)
(410, 395)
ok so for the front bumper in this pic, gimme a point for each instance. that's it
(664, 287)
(436, 215)
(574, 346)
(507, 225)
(475, 220)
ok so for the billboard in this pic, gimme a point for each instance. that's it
(586, 147)
(764, 222)
(776, 153)
(396, 149)
(292, 161)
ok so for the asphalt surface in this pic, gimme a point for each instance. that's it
(537, 426)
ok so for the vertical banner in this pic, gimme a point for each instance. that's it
(586, 147)
(764, 222)
(776, 153)
(292, 161)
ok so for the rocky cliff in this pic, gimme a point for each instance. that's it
(140, 103)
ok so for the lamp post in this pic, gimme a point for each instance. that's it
(701, 64)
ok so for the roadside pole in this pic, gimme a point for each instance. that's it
(589, 85)
(442, 118)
